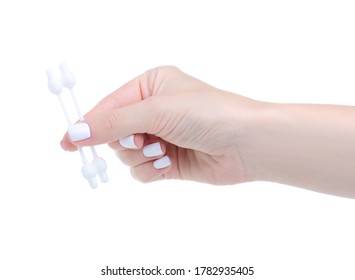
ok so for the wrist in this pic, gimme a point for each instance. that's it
(258, 139)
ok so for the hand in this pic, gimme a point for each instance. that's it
(199, 128)
(171, 125)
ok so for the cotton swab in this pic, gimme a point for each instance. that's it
(97, 167)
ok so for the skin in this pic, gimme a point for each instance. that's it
(220, 138)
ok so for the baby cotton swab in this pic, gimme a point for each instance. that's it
(98, 165)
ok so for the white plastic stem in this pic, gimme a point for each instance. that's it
(83, 157)
(93, 151)
(64, 109)
(75, 101)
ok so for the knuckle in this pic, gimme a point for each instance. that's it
(164, 69)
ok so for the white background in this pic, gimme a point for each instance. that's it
(53, 226)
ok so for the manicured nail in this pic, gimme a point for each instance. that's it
(79, 131)
(128, 142)
(162, 162)
(152, 150)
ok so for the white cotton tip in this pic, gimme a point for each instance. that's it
(54, 83)
(89, 172)
(103, 177)
(101, 166)
(92, 182)
(68, 78)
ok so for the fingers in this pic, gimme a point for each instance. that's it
(134, 91)
(113, 125)
(148, 163)
(152, 170)
(133, 108)
(152, 150)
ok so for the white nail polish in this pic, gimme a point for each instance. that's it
(79, 131)
(128, 142)
(152, 150)
(162, 162)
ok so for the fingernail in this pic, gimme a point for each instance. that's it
(162, 162)
(79, 131)
(152, 150)
(128, 142)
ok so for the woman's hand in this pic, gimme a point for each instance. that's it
(195, 127)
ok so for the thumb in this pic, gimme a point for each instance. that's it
(116, 123)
